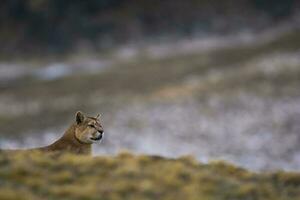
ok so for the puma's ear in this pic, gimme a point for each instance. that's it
(79, 117)
(98, 116)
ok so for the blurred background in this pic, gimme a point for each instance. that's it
(212, 79)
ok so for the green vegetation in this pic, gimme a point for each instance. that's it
(125, 176)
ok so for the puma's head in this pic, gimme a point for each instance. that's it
(88, 129)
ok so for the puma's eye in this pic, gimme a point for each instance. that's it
(91, 125)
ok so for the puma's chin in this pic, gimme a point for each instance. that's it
(96, 138)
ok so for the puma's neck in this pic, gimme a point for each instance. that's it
(69, 143)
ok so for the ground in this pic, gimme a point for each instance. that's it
(126, 176)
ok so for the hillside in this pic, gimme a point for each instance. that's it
(42, 27)
(125, 176)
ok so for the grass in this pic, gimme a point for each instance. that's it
(126, 176)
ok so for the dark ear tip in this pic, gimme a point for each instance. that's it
(79, 117)
(78, 113)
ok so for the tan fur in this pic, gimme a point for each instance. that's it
(78, 138)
